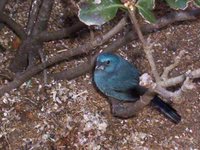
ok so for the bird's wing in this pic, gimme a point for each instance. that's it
(124, 78)
(128, 88)
(122, 84)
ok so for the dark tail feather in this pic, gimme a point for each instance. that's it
(166, 109)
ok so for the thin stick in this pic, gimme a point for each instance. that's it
(172, 66)
(43, 59)
(146, 44)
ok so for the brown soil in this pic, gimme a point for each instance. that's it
(73, 115)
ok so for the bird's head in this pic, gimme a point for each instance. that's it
(107, 62)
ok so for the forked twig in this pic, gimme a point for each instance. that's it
(168, 69)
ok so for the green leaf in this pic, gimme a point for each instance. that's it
(147, 4)
(197, 2)
(97, 12)
(178, 4)
(145, 8)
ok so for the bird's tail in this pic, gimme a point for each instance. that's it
(166, 109)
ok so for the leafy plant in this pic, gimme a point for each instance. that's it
(197, 2)
(98, 12)
(177, 4)
(145, 8)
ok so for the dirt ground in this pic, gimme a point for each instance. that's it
(73, 115)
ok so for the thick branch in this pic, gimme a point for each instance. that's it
(15, 27)
(58, 35)
(28, 53)
(43, 16)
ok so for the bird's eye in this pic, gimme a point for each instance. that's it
(108, 62)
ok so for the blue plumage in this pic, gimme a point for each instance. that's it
(117, 78)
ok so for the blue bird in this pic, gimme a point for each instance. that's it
(117, 78)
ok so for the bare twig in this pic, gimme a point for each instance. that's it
(168, 69)
(180, 79)
(33, 14)
(136, 26)
(147, 46)
(89, 64)
(146, 81)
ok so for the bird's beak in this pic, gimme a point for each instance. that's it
(100, 66)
